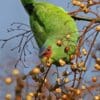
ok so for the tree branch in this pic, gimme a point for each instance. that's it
(97, 20)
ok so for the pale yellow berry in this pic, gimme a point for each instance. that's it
(76, 3)
(48, 64)
(84, 68)
(8, 96)
(83, 87)
(97, 66)
(15, 72)
(67, 36)
(8, 80)
(28, 97)
(64, 97)
(39, 94)
(45, 80)
(31, 94)
(97, 97)
(78, 91)
(66, 80)
(36, 70)
(90, 2)
(81, 64)
(74, 66)
(62, 62)
(59, 43)
(98, 28)
(72, 57)
(98, 61)
(85, 9)
(94, 79)
(58, 90)
(82, 5)
(58, 80)
(84, 51)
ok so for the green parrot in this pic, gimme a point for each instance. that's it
(55, 31)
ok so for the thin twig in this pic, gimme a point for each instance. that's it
(40, 87)
(91, 47)
(97, 20)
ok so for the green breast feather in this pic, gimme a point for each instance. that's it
(51, 23)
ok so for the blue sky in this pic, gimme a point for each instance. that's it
(11, 11)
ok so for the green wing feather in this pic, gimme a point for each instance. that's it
(50, 23)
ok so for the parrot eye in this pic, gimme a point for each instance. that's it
(48, 49)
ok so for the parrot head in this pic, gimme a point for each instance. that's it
(28, 5)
